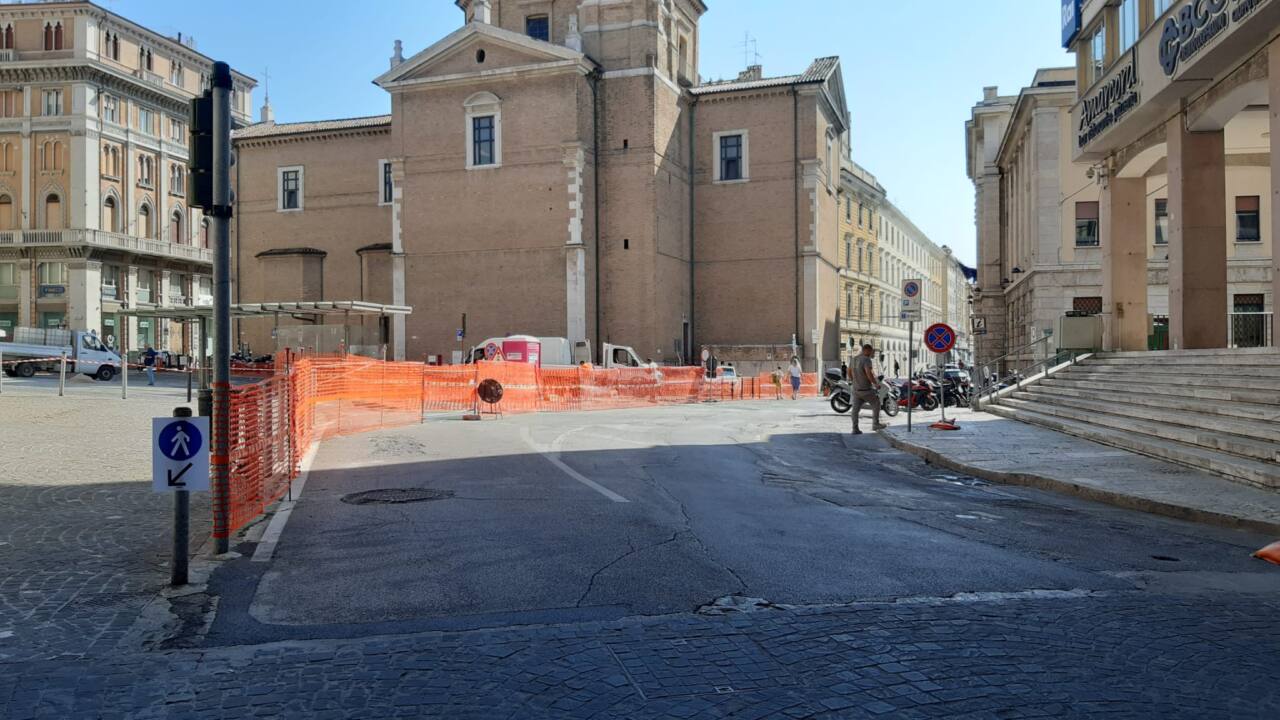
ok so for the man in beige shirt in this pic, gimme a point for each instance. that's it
(866, 388)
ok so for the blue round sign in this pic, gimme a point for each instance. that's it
(911, 289)
(180, 441)
(939, 337)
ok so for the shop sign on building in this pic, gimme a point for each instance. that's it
(1070, 22)
(1196, 25)
(1110, 100)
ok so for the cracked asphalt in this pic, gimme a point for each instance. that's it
(744, 560)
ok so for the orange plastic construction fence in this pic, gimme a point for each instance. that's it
(275, 421)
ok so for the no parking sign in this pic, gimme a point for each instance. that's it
(939, 337)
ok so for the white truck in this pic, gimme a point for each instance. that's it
(551, 352)
(85, 353)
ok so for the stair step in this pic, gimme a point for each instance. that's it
(1252, 472)
(1267, 359)
(1122, 407)
(1157, 355)
(1268, 371)
(1200, 437)
(1172, 401)
(1262, 398)
(1141, 377)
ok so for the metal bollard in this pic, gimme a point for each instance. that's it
(188, 379)
(62, 375)
(124, 375)
(181, 525)
(1, 371)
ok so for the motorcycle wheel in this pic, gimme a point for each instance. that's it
(890, 407)
(840, 402)
(928, 403)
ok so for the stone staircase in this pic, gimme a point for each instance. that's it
(1216, 410)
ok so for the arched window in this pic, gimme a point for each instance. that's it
(57, 155)
(175, 228)
(145, 228)
(204, 233)
(48, 36)
(6, 212)
(110, 214)
(53, 212)
(115, 47)
(57, 36)
(6, 38)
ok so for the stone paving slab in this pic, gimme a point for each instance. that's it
(1071, 655)
(1007, 451)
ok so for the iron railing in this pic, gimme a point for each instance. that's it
(1250, 329)
(988, 383)
(104, 239)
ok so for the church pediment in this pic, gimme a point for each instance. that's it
(480, 48)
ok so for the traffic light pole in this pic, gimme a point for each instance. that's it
(221, 227)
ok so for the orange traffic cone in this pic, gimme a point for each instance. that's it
(1270, 553)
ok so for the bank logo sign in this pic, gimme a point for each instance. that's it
(1195, 25)
(1110, 101)
(1070, 21)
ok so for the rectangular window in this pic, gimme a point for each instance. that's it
(1097, 54)
(111, 109)
(1128, 24)
(1089, 305)
(1162, 222)
(1086, 224)
(52, 102)
(147, 121)
(537, 27)
(384, 197)
(8, 281)
(52, 273)
(290, 189)
(110, 281)
(482, 140)
(176, 130)
(146, 282)
(1248, 229)
(848, 209)
(730, 157)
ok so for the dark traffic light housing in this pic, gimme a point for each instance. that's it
(200, 153)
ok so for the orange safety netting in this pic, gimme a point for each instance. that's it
(275, 421)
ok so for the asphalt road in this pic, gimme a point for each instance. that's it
(564, 517)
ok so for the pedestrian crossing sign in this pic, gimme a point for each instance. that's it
(179, 453)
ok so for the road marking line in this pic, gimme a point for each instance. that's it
(271, 537)
(553, 456)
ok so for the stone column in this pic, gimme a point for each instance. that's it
(26, 293)
(1124, 264)
(1273, 82)
(397, 257)
(84, 296)
(1197, 238)
(575, 251)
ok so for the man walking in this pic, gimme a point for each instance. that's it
(865, 389)
(149, 363)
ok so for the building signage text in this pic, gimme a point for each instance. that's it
(1189, 30)
(1070, 21)
(1109, 101)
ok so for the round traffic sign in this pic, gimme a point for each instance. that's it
(911, 288)
(180, 441)
(939, 337)
(492, 352)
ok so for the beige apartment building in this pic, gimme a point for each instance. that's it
(558, 168)
(863, 295)
(93, 149)
(1054, 236)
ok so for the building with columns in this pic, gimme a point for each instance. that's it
(1174, 118)
(93, 148)
(559, 168)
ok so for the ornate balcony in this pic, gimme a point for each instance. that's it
(103, 239)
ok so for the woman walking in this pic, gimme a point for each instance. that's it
(795, 377)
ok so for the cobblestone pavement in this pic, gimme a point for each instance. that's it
(84, 543)
(1125, 655)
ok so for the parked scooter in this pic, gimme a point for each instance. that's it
(842, 394)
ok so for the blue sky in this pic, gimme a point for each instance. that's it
(912, 68)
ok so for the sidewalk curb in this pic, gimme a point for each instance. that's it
(1110, 497)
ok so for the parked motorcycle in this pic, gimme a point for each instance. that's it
(842, 395)
(923, 394)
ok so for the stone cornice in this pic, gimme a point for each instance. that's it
(269, 140)
(21, 73)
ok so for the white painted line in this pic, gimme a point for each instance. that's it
(553, 456)
(271, 537)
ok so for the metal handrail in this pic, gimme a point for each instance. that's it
(990, 388)
(1033, 343)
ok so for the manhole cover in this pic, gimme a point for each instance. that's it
(392, 496)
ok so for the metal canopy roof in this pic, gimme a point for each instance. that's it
(320, 307)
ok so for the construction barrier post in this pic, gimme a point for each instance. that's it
(62, 374)
(181, 525)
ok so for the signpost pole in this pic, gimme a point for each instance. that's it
(911, 356)
(62, 375)
(181, 525)
(221, 212)
(124, 361)
(942, 387)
